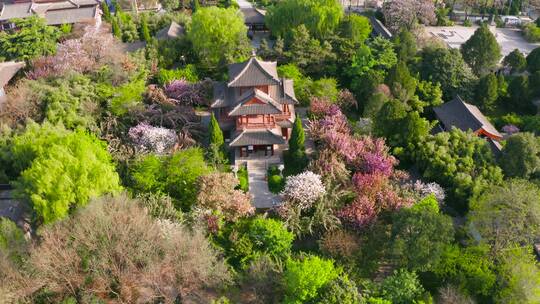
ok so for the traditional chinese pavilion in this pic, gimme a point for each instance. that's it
(255, 108)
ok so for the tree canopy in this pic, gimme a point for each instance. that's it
(33, 38)
(60, 169)
(219, 36)
(321, 18)
(482, 51)
(508, 215)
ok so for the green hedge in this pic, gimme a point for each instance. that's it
(275, 181)
(243, 180)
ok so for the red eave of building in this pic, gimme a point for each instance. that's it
(488, 134)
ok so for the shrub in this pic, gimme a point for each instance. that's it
(60, 169)
(303, 279)
(243, 179)
(217, 193)
(249, 239)
(531, 32)
(176, 175)
(152, 259)
(189, 73)
(275, 183)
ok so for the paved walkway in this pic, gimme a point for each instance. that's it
(244, 3)
(258, 186)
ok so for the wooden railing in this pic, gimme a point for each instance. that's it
(251, 125)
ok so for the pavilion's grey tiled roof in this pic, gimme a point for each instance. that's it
(464, 116)
(174, 30)
(253, 15)
(253, 72)
(70, 16)
(287, 90)
(54, 12)
(269, 106)
(254, 109)
(257, 137)
(379, 29)
(224, 96)
(8, 70)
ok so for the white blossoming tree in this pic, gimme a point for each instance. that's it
(152, 139)
(303, 189)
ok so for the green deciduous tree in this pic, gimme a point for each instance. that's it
(60, 169)
(321, 18)
(308, 53)
(33, 38)
(175, 175)
(401, 82)
(519, 278)
(420, 234)
(304, 278)
(481, 51)
(521, 155)
(515, 61)
(533, 60)
(248, 239)
(508, 215)
(402, 287)
(405, 45)
(339, 291)
(446, 67)
(219, 36)
(487, 92)
(355, 27)
(471, 269)
(519, 95)
(460, 161)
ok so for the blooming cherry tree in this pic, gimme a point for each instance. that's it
(217, 193)
(152, 139)
(303, 189)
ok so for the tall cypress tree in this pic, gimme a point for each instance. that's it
(106, 11)
(116, 28)
(195, 6)
(215, 133)
(296, 142)
(145, 33)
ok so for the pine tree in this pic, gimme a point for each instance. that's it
(145, 33)
(487, 92)
(116, 28)
(215, 133)
(106, 11)
(296, 142)
(401, 82)
(482, 51)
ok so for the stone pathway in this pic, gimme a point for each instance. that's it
(258, 186)
(244, 4)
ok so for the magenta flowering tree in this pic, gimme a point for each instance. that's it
(152, 139)
(374, 178)
(510, 129)
(186, 93)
